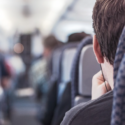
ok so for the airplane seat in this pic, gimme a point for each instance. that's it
(67, 59)
(118, 114)
(88, 66)
(45, 116)
(47, 108)
(83, 69)
(65, 48)
(55, 62)
(64, 83)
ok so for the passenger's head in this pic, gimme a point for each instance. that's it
(108, 23)
(50, 43)
(77, 37)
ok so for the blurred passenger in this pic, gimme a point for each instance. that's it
(108, 23)
(76, 37)
(41, 69)
(5, 79)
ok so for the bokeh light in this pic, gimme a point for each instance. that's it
(18, 48)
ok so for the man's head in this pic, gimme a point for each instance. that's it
(108, 23)
(50, 43)
(77, 37)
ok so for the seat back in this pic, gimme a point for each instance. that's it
(88, 66)
(65, 65)
(118, 114)
(56, 62)
(75, 67)
(68, 57)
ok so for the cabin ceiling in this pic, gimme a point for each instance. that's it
(25, 15)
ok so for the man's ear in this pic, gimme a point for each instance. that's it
(97, 50)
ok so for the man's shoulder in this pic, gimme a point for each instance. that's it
(93, 112)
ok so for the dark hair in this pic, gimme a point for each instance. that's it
(77, 37)
(108, 23)
(51, 42)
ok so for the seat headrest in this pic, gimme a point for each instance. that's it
(75, 66)
(66, 47)
(88, 67)
(118, 110)
(67, 61)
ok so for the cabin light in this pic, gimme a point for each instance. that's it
(18, 48)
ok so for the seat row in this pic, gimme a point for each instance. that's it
(73, 66)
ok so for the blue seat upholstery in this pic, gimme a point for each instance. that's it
(65, 66)
(118, 113)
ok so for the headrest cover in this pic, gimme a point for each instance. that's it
(75, 67)
(67, 46)
(118, 110)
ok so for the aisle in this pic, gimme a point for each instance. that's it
(24, 112)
